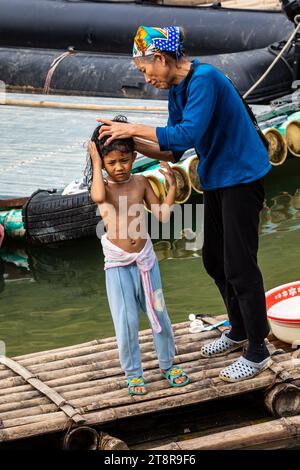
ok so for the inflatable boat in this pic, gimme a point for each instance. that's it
(108, 75)
(101, 26)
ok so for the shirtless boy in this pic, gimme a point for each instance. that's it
(132, 274)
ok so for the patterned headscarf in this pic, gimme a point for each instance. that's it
(150, 39)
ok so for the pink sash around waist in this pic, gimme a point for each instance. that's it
(115, 257)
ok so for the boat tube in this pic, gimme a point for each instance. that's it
(87, 25)
(106, 75)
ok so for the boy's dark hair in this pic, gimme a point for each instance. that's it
(123, 145)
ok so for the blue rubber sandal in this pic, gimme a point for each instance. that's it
(172, 373)
(135, 382)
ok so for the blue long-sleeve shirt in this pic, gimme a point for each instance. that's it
(208, 115)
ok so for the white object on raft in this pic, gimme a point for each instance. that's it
(75, 187)
(283, 311)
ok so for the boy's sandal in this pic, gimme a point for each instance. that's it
(133, 382)
(243, 369)
(173, 373)
(220, 346)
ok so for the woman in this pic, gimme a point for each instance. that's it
(207, 113)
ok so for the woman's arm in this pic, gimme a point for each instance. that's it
(145, 138)
(98, 192)
(162, 211)
(152, 150)
(120, 130)
(202, 94)
(181, 136)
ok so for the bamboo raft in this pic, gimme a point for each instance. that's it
(82, 385)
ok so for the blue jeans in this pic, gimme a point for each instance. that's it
(126, 300)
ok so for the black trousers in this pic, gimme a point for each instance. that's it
(231, 219)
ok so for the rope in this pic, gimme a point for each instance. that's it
(297, 20)
(53, 67)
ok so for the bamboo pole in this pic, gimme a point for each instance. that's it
(108, 442)
(81, 438)
(279, 433)
(252, 4)
(81, 106)
(277, 146)
(292, 135)
(190, 165)
(283, 400)
(55, 397)
(239, 4)
(183, 184)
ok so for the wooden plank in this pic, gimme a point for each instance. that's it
(55, 397)
(239, 4)
(81, 106)
(13, 203)
(280, 433)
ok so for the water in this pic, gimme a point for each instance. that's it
(55, 296)
(45, 148)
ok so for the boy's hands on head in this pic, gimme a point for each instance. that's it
(168, 173)
(94, 154)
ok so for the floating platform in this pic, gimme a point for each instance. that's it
(62, 389)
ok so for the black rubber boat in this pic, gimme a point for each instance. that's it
(101, 26)
(94, 74)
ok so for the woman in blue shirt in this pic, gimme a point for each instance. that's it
(206, 113)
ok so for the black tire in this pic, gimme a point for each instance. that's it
(49, 217)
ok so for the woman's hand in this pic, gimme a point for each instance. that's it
(168, 173)
(115, 130)
(94, 154)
